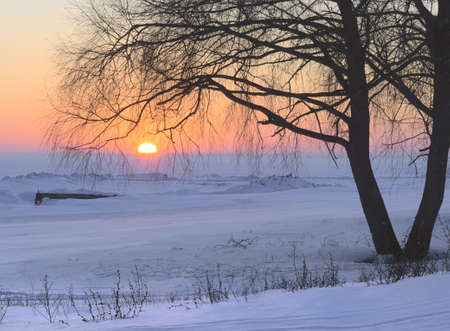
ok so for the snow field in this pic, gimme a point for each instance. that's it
(417, 304)
(176, 230)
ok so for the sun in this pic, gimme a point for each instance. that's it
(147, 148)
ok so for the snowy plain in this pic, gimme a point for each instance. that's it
(411, 304)
(176, 228)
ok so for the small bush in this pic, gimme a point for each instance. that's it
(211, 288)
(47, 304)
(392, 271)
(305, 277)
(118, 305)
(215, 287)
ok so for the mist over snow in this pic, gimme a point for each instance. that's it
(302, 165)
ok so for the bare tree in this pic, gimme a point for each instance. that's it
(157, 63)
(413, 53)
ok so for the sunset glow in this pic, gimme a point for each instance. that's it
(28, 69)
(147, 148)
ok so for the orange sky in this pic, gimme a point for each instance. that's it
(30, 32)
(30, 29)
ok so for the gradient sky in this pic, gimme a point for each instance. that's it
(30, 29)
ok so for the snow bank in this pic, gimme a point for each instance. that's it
(270, 184)
(418, 304)
(150, 176)
(48, 176)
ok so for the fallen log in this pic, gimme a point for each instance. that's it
(40, 196)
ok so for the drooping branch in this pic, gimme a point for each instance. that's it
(277, 120)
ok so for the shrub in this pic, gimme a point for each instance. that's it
(392, 271)
(47, 304)
(117, 305)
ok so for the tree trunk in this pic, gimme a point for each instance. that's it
(377, 217)
(419, 239)
(358, 152)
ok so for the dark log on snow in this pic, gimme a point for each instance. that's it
(40, 196)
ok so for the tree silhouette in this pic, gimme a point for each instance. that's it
(413, 53)
(161, 61)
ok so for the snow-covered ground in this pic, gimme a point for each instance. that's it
(175, 229)
(409, 305)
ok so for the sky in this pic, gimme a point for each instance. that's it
(31, 30)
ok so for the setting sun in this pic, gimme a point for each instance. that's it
(147, 148)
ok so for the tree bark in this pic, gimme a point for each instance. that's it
(358, 149)
(418, 243)
(375, 211)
